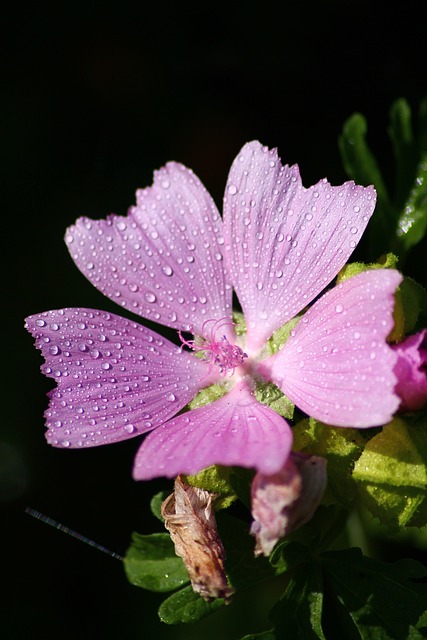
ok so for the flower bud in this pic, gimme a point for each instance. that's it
(286, 500)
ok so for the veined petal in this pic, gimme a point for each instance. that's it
(284, 242)
(336, 365)
(234, 430)
(164, 260)
(115, 378)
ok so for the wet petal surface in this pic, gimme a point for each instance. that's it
(164, 261)
(336, 365)
(284, 242)
(234, 430)
(115, 378)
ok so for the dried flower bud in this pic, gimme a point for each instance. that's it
(190, 520)
(286, 500)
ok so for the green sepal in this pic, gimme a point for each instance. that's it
(386, 261)
(239, 323)
(151, 563)
(279, 337)
(215, 479)
(384, 600)
(405, 152)
(207, 395)
(267, 393)
(341, 447)
(186, 606)
(391, 473)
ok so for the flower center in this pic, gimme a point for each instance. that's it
(219, 352)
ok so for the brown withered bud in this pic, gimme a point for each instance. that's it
(189, 518)
(283, 502)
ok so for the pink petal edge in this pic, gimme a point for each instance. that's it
(234, 430)
(115, 378)
(285, 243)
(336, 366)
(163, 261)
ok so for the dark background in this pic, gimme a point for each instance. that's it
(94, 98)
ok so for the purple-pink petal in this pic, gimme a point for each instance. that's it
(234, 430)
(336, 365)
(411, 371)
(284, 242)
(164, 260)
(115, 378)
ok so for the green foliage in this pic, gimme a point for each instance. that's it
(186, 606)
(400, 219)
(391, 473)
(150, 562)
(384, 600)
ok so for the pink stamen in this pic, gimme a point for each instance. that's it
(221, 353)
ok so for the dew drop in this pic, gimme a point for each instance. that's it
(40, 323)
(167, 270)
(232, 189)
(54, 350)
(150, 297)
(339, 308)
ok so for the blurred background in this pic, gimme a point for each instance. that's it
(95, 96)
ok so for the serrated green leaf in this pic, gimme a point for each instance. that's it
(150, 562)
(385, 600)
(298, 614)
(186, 606)
(391, 473)
(340, 447)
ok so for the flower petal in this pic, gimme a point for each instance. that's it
(116, 379)
(234, 430)
(411, 371)
(284, 242)
(336, 365)
(163, 261)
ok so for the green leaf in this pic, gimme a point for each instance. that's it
(267, 393)
(340, 447)
(414, 301)
(243, 568)
(391, 473)
(361, 165)
(412, 223)
(405, 151)
(150, 562)
(156, 503)
(186, 606)
(298, 613)
(384, 600)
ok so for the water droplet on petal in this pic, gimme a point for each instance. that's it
(150, 297)
(167, 270)
(232, 189)
(339, 308)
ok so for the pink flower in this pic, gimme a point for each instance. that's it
(173, 260)
(411, 371)
(284, 501)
